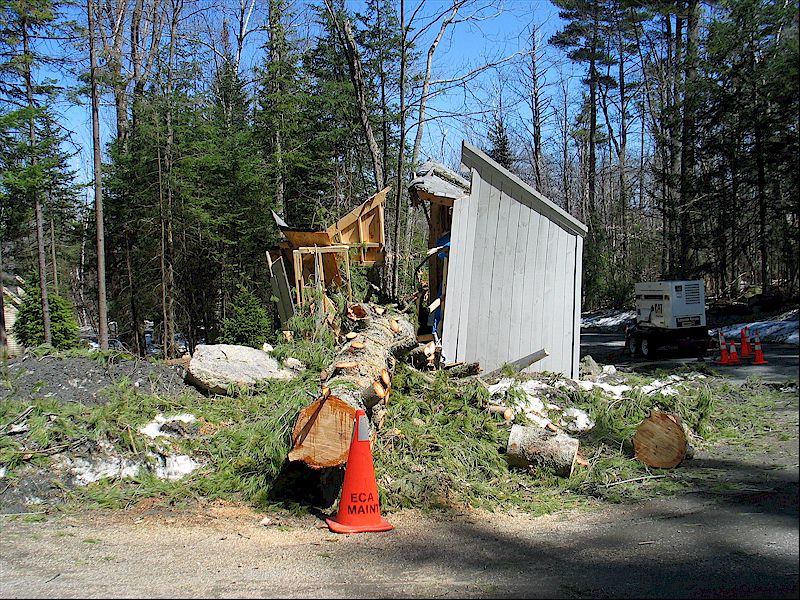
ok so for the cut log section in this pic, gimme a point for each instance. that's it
(660, 441)
(508, 413)
(538, 448)
(323, 430)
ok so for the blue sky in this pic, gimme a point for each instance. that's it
(503, 30)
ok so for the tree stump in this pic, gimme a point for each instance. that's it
(540, 448)
(660, 441)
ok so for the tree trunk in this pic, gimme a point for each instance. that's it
(394, 283)
(36, 196)
(102, 313)
(688, 136)
(359, 378)
(660, 440)
(539, 448)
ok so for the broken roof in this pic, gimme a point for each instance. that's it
(435, 182)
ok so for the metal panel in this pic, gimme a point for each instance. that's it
(548, 274)
(540, 268)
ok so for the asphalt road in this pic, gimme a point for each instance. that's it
(608, 348)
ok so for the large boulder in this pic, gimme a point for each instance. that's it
(215, 367)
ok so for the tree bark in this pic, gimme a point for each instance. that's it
(539, 448)
(102, 312)
(48, 339)
(359, 378)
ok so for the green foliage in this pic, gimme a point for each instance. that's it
(500, 145)
(29, 326)
(250, 324)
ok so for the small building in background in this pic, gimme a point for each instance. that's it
(511, 273)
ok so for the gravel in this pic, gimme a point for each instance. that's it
(83, 380)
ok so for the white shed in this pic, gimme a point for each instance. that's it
(513, 274)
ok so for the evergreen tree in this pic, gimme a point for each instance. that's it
(499, 144)
(29, 325)
(249, 323)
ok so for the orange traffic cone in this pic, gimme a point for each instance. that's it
(358, 506)
(759, 356)
(724, 359)
(745, 333)
(733, 357)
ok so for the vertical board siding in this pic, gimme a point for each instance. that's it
(576, 344)
(514, 277)
(465, 282)
(481, 283)
(500, 306)
(568, 317)
(530, 334)
(455, 276)
(517, 295)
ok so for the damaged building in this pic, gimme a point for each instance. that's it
(504, 268)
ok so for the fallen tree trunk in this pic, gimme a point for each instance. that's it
(660, 440)
(360, 377)
(539, 448)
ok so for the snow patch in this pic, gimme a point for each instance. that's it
(153, 428)
(575, 420)
(783, 329)
(174, 466)
(614, 390)
(609, 318)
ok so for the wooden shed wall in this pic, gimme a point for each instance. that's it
(514, 279)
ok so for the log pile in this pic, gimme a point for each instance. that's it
(360, 377)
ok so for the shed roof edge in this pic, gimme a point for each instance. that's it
(472, 157)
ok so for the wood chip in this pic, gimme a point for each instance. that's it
(394, 325)
(358, 345)
(380, 310)
(346, 365)
(386, 378)
(380, 392)
(351, 335)
(326, 391)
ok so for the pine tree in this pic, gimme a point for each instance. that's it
(499, 144)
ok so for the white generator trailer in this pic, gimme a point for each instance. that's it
(669, 313)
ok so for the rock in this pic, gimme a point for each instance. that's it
(266, 521)
(589, 368)
(294, 364)
(267, 347)
(214, 367)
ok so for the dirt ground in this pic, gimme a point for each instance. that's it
(734, 534)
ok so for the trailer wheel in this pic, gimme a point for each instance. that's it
(632, 345)
(647, 347)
